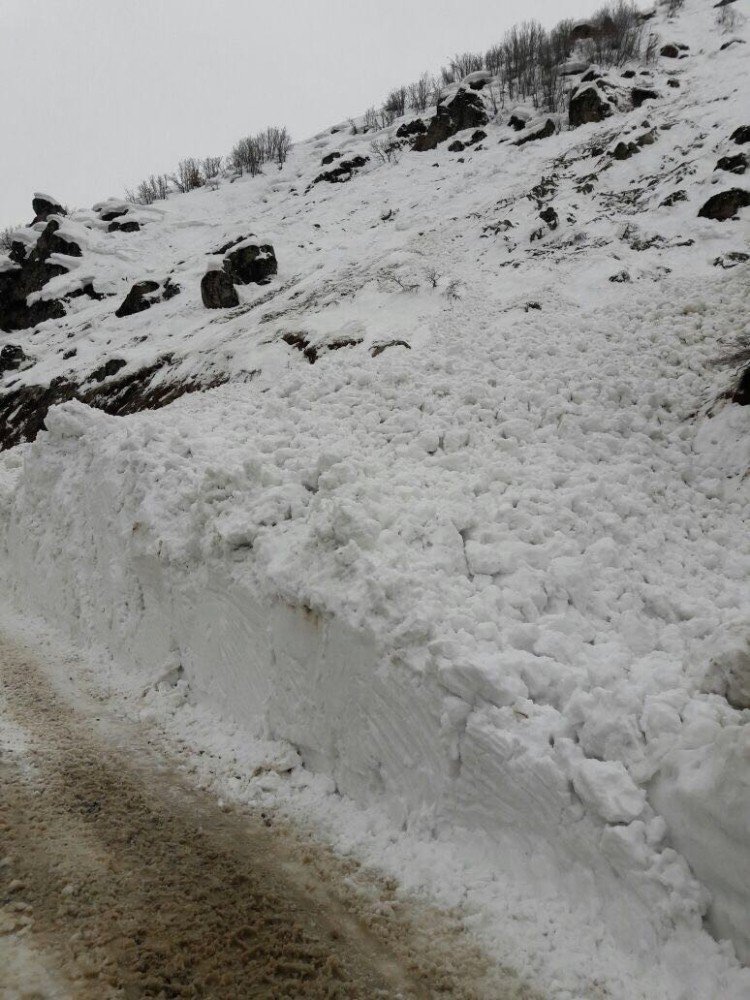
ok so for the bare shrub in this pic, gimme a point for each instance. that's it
(420, 92)
(371, 122)
(494, 59)
(154, 188)
(385, 152)
(211, 167)
(447, 75)
(247, 156)
(395, 102)
(188, 176)
(727, 19)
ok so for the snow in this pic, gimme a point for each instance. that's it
(490, 590)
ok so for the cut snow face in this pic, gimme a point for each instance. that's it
(463, 516)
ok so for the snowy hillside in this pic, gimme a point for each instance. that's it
(453, 502)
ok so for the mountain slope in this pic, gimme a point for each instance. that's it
(464, 523)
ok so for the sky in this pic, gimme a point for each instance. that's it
(97, 94)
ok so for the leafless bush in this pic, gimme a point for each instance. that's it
(385, 152)
(453, 291)
(154, 188)
(274, 144)
(395, 102)
(494, 59)
(433, 276)
(371, 121)
(188, 176)
(419, 93)
(247, 156)
(618, 35)
(211, 167)
(447, 75)
(464, 63)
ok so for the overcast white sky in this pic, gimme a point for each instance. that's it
(96, 94)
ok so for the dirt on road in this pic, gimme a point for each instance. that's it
(118, 878)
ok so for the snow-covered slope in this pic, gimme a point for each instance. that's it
(484, 561)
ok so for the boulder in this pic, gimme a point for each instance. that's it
(139, 298)
(217, 290)
(623, 151)
(329, 158)
(343, 172)
(673, 50)
(741, 135)
(44, 206)
(250, 263)
(465, 111)
(549, 215)
(733, 164)
(673, 83)
(544, 132)
(477, 80)
(408, 129)
(588, 105)
(12, 356)
(673, 199)
(640, 94)
(456, 147)
(124, 227)
(725, 205)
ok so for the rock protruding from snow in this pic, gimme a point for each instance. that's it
(44, 206)
(588, 105)
(139, 298)
(725, 205)
(250, 263)
(218, 291)
(466, 110)
(34, 267)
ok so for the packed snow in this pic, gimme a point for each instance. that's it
(481, 571)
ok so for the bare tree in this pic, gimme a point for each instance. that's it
(464, 63)
(188, 176)
(6, 238)
(211, 167)
(247, 156)
(385, 152)
(419, 93)
(395, 102)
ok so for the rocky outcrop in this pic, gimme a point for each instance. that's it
(250, 263)
(588, 105)
(465, 111)
(217, 290)
(329, 158)
(409, 129)
(741, 135)
(343, 172)
(12, 356)
(145, 294)
(44, 206)
(733, 164)
(28, 271)
(725, 205)
(544, 132)
(131, 226)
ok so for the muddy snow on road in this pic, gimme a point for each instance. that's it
(119, 878)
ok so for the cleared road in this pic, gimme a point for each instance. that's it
(120, 879)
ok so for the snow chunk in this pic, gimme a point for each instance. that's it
(607, 788)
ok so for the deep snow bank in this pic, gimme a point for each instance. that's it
(472, 680)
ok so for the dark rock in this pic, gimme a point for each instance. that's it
(408, 129)
(12, 356)
(170, 290)
(465, 111)
(477, 137)
(670, 51)
(251, 264)
(217, 291)
(673, 198)
(629, 74)
(32, 273)
(329, 158)
(734, 164)
(343, 172)
(741, 135)
(732, 41)
(44, 207)
(232, 243)
(647, 139)
(621, 278)
(673, 83)
(139, 298)
(588, 105)
(725, 205)
(113, 214)
(300, 341)
(535, 306)
(377, 349)
(623, 151)
(640, 94)
(108, 369)
(517, 123)
(549, 215)
(543, 133)
(124, 227)
(731, 259)
(456, 147)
